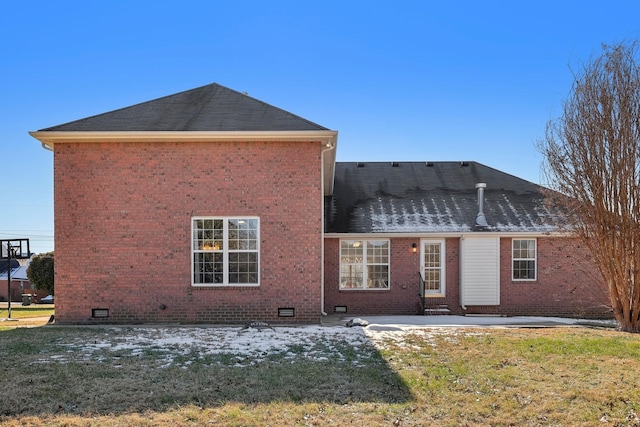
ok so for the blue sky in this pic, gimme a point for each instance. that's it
(399, 80)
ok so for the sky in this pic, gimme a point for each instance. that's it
(399, 80)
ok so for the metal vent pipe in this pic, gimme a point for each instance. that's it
(481, 220)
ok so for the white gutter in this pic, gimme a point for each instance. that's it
(329, 146)
(434, 234)
(50, 138)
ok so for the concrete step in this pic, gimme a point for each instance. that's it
(437, 309)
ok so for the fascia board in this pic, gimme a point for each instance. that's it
(50, 138)
(443, 235)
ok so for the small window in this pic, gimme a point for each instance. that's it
(524, 259)
(225, 251)
(364, 264)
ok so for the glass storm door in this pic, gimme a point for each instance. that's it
(432, 267)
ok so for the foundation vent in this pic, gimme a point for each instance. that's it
(99, 313)
(286, 312)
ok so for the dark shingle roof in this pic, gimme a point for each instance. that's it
(207, 108)
(438, 197)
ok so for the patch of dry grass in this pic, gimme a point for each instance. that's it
(449, 377)
(21, 317)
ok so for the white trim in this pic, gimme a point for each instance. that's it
(326, 189)
(443, 267)
(431, 235)
(225, 252)
(50, 138)
(535, 261)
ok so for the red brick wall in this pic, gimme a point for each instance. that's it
(568, 283)
(123, 222)
(402, 295)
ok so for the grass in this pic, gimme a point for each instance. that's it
(24, 316)
(26, 312)
(455, 377)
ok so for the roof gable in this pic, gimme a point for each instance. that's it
(432, 197)
(211, 108)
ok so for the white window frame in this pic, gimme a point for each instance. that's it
(225, 251)
(366, 282)
(442, 268)
(526, 259)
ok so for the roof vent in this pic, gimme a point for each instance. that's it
(464, 164)
(481, 220)
(394, 164)
(429, 164)
(360, 165)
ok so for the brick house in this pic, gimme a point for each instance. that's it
(212, 206)
(476, 240)
(19, 282)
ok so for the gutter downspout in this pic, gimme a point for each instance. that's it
(46, 146)
(329, 146)
(460, 281)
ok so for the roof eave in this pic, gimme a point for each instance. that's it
(50, 138)
(433, 234)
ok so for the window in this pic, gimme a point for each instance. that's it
(225, 251)
(364, 264)
(524, 259)
(433, 267)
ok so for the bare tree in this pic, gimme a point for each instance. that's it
(592, 159)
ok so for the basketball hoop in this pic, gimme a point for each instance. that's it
(17, 249)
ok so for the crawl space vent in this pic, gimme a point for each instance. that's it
(99, 313)
(286, 312)
(340, 309)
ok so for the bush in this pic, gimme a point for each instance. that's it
(40, 272)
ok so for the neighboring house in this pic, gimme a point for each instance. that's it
(20, 284)
(211, 206)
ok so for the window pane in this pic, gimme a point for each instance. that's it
(364, 264)
(378, 276)
(432, 268)
(432, 255)
(351, 276)
(351, 251)
(207, 235)
(524, 269)
(212, 241)
(432, 280)
(243, 267)
(208, 268)
(524, 259)
(243, 234)
(377, 251)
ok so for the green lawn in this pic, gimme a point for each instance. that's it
(21, 312)
(444, 377)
